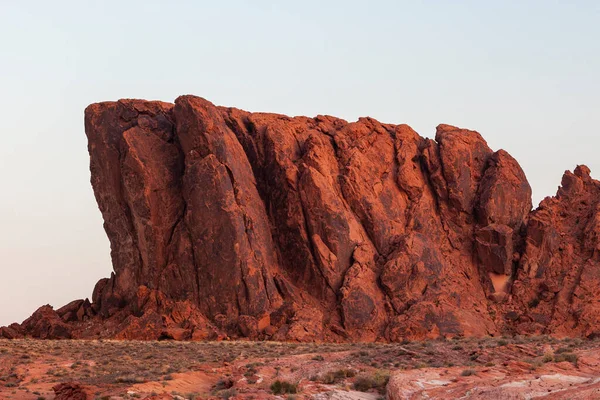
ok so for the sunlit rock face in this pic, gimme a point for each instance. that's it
(225, 223)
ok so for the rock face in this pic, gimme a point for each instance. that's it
(72, 391)
(225, 223)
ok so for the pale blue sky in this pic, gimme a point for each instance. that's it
(523, 73)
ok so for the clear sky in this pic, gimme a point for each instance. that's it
(525, 74)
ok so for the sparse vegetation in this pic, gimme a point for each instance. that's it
(534, 303)
(249, 367)
(377, 381)
(332, 377)
(548, 357)
(284, 387)
(223, 383)
(565, 356)
(129, 379)
(227, 393)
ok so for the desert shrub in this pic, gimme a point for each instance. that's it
(468, 372)
(534, 363)
(363, 384)
(548, 357)
(332, 377)
(129, 379)
(318, 358)
(254, 365)
(283, 387)
(534, 303)
(570, 357)
(222, 384)
(227, 393)
(377, 381)
(327, 378)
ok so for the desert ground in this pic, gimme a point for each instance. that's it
(487, 368)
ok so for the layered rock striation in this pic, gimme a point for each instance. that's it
(225, 223)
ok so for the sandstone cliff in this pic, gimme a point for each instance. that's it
(229, 223)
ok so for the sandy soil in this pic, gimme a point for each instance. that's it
(489, 368)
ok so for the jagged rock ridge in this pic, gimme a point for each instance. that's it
(229, 223)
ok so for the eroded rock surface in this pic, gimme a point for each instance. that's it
(225, 223)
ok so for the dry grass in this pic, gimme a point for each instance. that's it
(29, 368)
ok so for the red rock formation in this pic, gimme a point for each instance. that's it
(72, 391)
(229, 223)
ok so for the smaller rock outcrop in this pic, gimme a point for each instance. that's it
(45, 323)
(72, 391)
